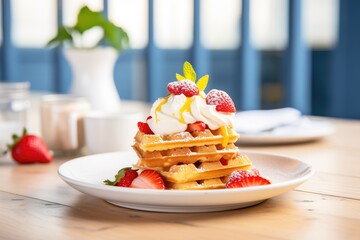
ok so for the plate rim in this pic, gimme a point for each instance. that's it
(267, 138)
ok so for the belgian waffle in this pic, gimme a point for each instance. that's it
(191, 161)
(204, 170)
(213, 183)
(158, 142)
(184, 155)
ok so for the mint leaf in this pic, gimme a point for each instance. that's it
(179, 77)
(202, 83)
(189, 72)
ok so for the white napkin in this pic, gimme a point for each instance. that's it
(257, 121)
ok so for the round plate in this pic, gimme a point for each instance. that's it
(87, 174)
(314, 130)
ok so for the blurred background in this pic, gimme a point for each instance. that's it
(265, 54)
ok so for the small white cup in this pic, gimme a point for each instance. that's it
(110, 131)
(62, 122)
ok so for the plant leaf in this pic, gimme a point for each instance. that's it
(87, 19)
(189, 72)
(116, 36)
(202, 83)
(64, 34)
(180, 77)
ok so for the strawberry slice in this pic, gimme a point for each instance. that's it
(148, 179)
(243, 178)
(196, 126)
(186, 87)
(144, 126)
(123, 178)
(222, 100)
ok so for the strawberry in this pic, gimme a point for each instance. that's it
(144, 127)
(29, 148)
(123, 178)
(243, 178)
(148, 179)
(126, 181)
(222, 100)
(196, 126)
(186, 87)
(224, 161)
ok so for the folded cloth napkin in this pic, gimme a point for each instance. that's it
(257, 121)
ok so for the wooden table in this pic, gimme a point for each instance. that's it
(36, 204)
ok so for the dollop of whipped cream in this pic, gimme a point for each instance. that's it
(173, 113)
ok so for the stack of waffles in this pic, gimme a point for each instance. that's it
(191, 161)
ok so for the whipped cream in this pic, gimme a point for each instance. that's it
(173, 113)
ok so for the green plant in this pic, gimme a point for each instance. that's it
(86, 20)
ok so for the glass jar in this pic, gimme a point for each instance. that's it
(14, 105)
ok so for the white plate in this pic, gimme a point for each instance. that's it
(311, 131)
(86, 174)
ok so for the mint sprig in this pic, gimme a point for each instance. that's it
(190, 74)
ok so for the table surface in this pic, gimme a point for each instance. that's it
(36, 204)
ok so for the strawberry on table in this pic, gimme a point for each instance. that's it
(123, 178)
(222, 100)
(148, 179)
(29, 148)
(243, 178)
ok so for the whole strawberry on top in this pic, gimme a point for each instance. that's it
(29, 148)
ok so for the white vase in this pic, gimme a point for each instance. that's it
(93, 76)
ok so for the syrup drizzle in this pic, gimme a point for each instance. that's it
(225, 134)
(158, 108)
(185, 107)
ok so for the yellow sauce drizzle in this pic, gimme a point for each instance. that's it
(158, 108)
(225, 135)
(185, 107)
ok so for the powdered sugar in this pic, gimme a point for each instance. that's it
(186, 87)
(221, 100)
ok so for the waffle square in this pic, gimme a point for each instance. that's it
(185, 155)
(204, 170)
(213, 183)
(158, 142)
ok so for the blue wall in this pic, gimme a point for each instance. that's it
(317, 82)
